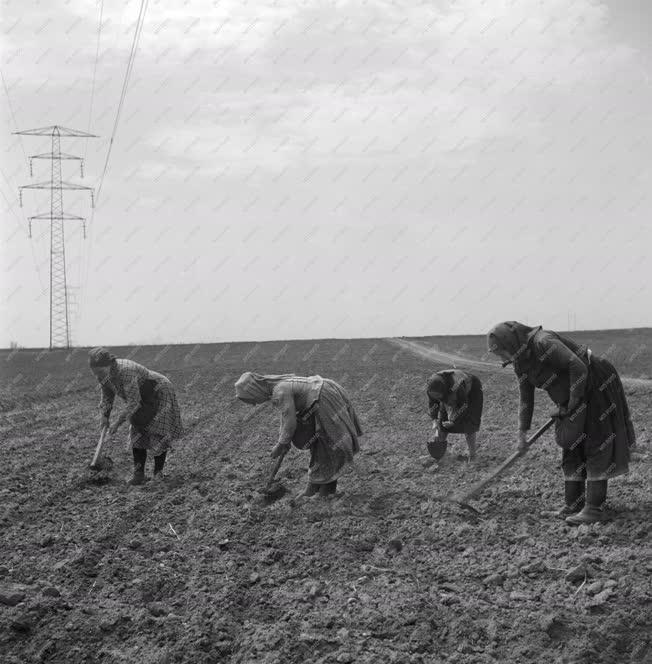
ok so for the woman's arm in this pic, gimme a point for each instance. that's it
(132, 397)
(283, 400)
(458, 400)
(433, 408)
(106, 402)
(526, 402)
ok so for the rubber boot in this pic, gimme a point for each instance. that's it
(329, 489)
(140, 457)
(596, 495)
(574, 498)
(470, 442)
(159, 462)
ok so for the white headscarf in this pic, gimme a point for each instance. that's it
(258, 387)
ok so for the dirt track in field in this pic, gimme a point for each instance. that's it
(449, 359)
(197, 570)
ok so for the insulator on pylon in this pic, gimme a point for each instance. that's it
(84, 229)
(30, 229)
(31, 171)
(20, 197)
(81, 168)
(92, 199)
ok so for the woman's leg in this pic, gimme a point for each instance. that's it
(159, 462)
(326, 463)
(596, 495)
(470, 442)
(328, 489)
(140, 458)
(574, 497)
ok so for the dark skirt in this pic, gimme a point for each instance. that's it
(469, 421)
(148, 406)
(140, 437)
(597, 439)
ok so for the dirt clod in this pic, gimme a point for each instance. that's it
(11, 598)
(494, 580)
(157, 609)
(22, 623)
(394, 546)
(579, 573)
(594, 588)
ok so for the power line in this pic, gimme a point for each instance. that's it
(97, 55)
(130, 62)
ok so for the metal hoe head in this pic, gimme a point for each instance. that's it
(437, 448)
(273, 492)
(104, 463)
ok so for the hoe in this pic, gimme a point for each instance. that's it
(463, 499)
(101, 463)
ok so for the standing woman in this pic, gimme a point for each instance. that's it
(316, 414)
(151, 408)
(593, 424)
(455, 402)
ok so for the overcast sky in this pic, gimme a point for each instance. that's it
(310, 169)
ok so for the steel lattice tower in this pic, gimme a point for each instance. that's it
(59, 301)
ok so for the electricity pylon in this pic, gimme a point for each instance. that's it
(59, 305)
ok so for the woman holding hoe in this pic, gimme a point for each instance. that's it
(316, 414)
(593, 424)
(150, 406)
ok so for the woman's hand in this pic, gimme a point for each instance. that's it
(279, 449)
(522, 441)
(104, 422)
(559, 412)
(114, 427)
(448, 424)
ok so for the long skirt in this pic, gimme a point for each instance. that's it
(336, 431)
(469, 421)
(158, 420)
(596, 440)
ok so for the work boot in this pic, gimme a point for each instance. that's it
(574, 498)
(470, 443)
(329, 489)
(139, 476)
(596, 494)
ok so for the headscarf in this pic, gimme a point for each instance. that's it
(438, 383)
(512, 337)
(100, 357)
(258, 387)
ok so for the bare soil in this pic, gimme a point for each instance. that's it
(198, 569)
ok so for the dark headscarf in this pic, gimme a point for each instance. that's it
(100, 357)
(438, 383)
(513, 337)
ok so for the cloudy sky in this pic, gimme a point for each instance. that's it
(295, 169)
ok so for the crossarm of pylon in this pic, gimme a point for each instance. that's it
(55, 130)
(51, 155)
(51, 185)
(48, 216)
